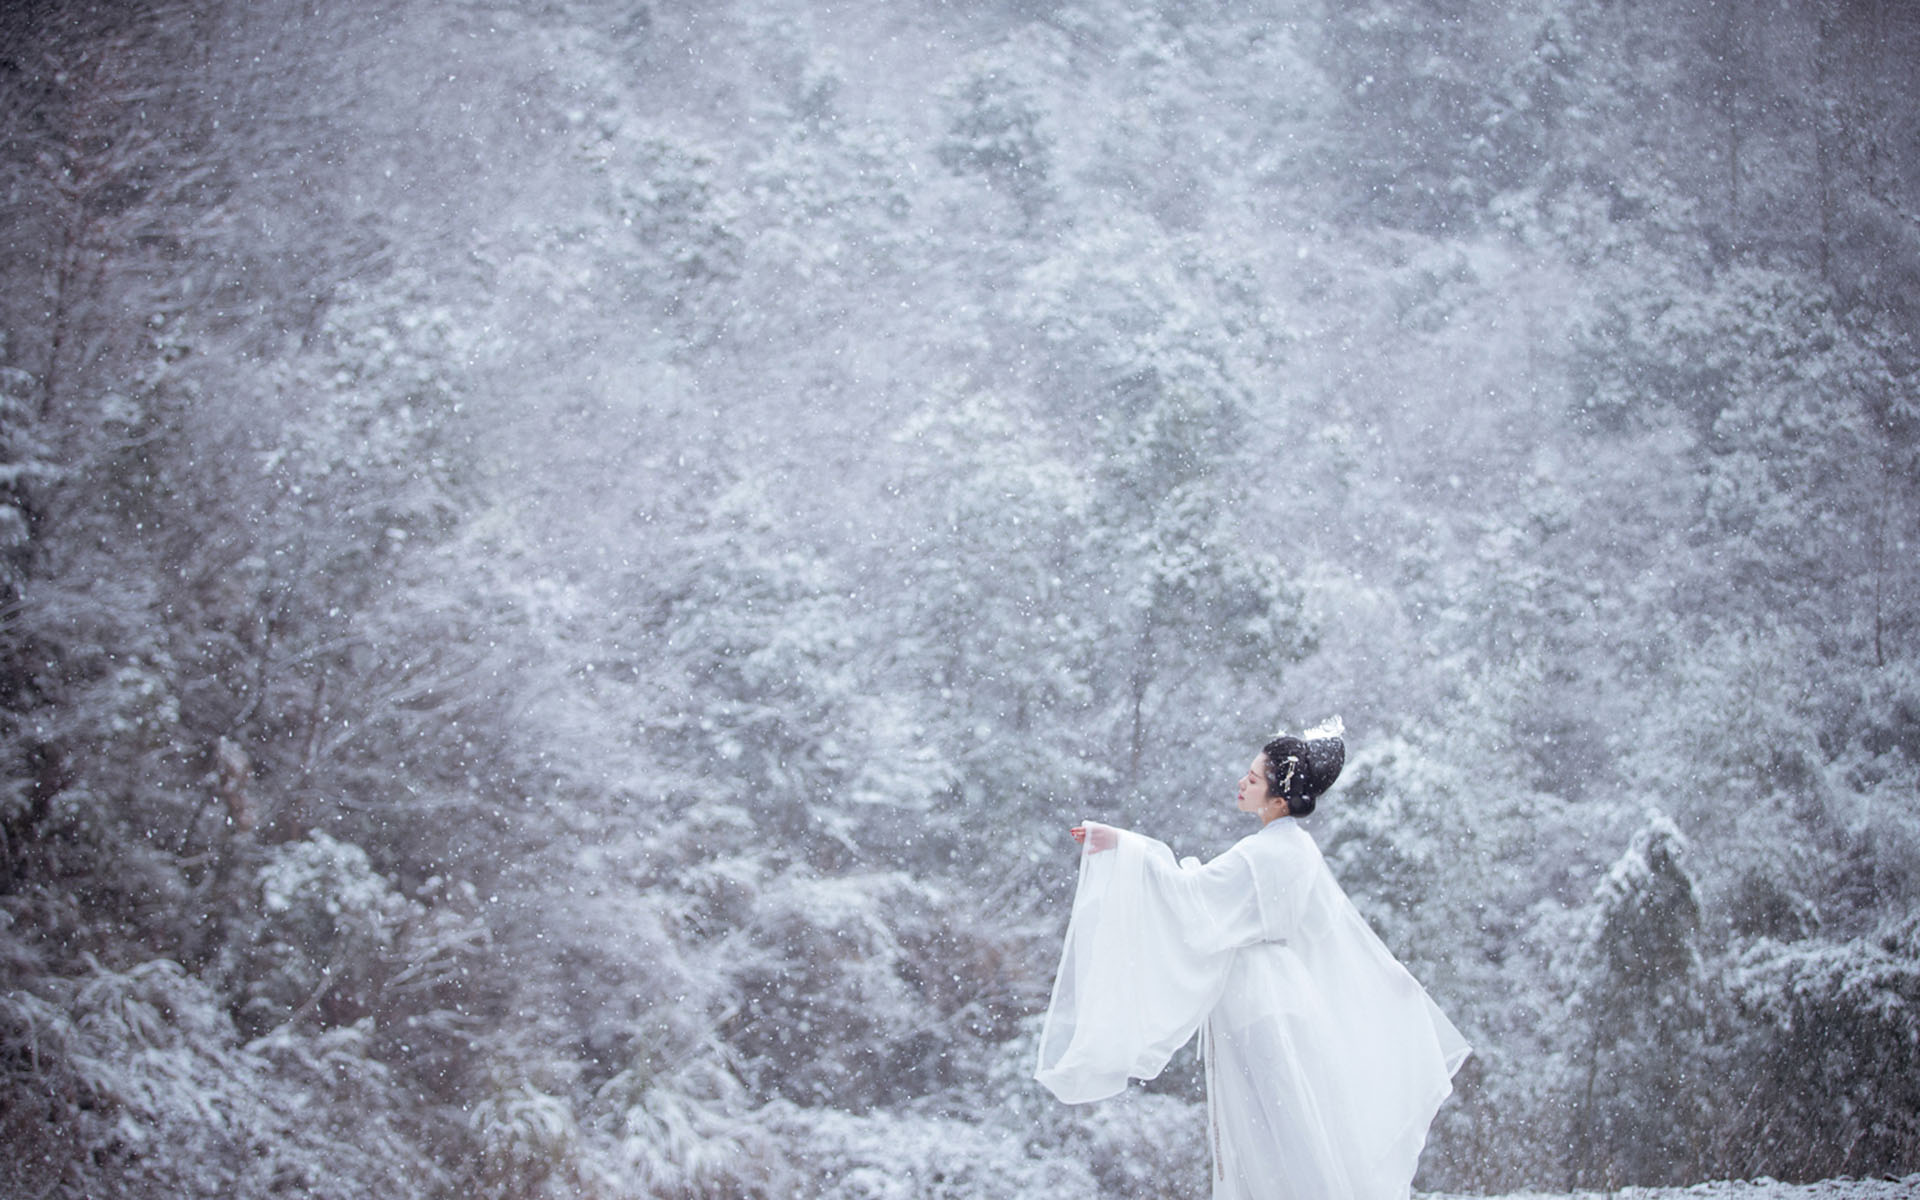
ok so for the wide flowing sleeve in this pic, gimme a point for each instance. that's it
(1147, 953)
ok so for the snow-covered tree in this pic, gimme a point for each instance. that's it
(1639, 1076)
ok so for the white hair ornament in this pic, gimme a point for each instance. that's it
(1332, 727)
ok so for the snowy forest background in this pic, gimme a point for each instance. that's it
(564, 567)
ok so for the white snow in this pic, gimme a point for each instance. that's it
(1755, 1189)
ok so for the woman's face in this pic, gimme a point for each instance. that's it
(1253, 787)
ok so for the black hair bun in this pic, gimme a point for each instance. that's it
(1301, 768)
(1324, 758)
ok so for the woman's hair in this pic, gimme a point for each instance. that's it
(1299, 769)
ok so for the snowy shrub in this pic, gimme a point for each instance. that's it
(42, 1121)
(868, 989)
(1138, 1145)
(153, 1095)
(686, 1134)
(334, 943)
(902, 1156)
(156, 1050)
(338, 974)
(1148, 1146)
(526, 1138)
(1829, 1071)
(825, 1016)
(23, 463)
(356, 1108)
(328, 925)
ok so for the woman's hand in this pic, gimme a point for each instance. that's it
(1095, 837)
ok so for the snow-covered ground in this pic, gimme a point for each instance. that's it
(1757, 1189)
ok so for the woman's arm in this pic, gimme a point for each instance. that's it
(1217, 903)
(1136, 976)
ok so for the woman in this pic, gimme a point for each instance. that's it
(1325, 1060)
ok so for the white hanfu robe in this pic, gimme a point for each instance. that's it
(1325, 1059)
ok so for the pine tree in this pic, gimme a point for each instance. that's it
(1638, 1082)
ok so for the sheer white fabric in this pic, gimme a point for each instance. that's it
(1326, 1060)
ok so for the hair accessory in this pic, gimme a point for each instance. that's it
(1332, 727)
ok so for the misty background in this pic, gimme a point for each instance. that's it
(565, 566)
